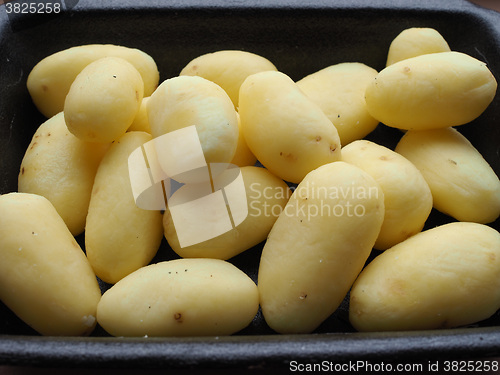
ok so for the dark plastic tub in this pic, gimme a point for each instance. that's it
(299, 37)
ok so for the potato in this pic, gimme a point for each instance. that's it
(416, 41)
(462, 183)
(62, 168)
(181, 102)
(339, 90)
(318, 246)
(49, 81)
(431, 91)
(183, 297)
(243, 156)
(103, 100)
(266, 196)
(287, 132)
(141, 120)
(119, 236)
(228, 69)
(407, 196)
(45, 278)
(444, 277)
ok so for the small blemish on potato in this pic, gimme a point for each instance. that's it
(333, 148)
(48, 134)
(406, 69)
(45, 88)
(178, 317)
(22, 170)
(318, 138)
(33, 145)
(303, 296)
(136, 95)
(383, 157)
(452, 161)
(114, 76)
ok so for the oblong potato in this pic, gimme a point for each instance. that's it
(416, 41)
(103, 100)
(45, 278)
(181, 102)
(431, 91)
(339, 90)
(183, 297)
(287, 132)
(462, 183)
(407, 196)
(444, 277)
(315, 251)
(228, 69)
(49, 81)
(119, 236)
(62, 168)
(266, 197)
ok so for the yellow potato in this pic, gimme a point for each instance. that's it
(183, 297)
(266, 197)
(462, 183)
(45, 278)
(416, 41)
(339, 90)
(243, 156)
(228, 69)
(141, 120)
(49, 81)
(431, 91)
(287, 132)
(444, 277)
(103, 100)
(62, 168)
(181, 102)
(119, 236)
(318, 246)
(407, 196)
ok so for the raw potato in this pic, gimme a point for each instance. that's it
(318, 246)
(416, 41)
(181, 102)
(407, 196)
(61, 167)
(103, 100)
(462, 183)
(339, 90)
(184, 297)
(141, 120)
(287, 132)
(266, 197)
(119, 236)
(45, 278)
(444, 277)
(431, 91)
(228, 69)
(243, 156)
(49, 81)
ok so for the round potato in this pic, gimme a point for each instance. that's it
(183, 297)
(462, 183)
(431, 91)
(444, 277)
(287, 132)
(407, 196)
(45, 278)
(339, 90)
(103, 100)
(50, 80)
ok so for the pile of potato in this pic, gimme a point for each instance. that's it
(321, 198)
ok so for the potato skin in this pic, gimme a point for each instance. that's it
(462, 183)
(49, 81)
(339, 90)
(62, 168)
(228, 69)
(407, 196)
(288, 133)
(119, 236)
(444, 277)
(314, 251)
(45, 278)
(416, 41)
(431, 91)
(103, 100)
(266, 198)
(183, 297)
